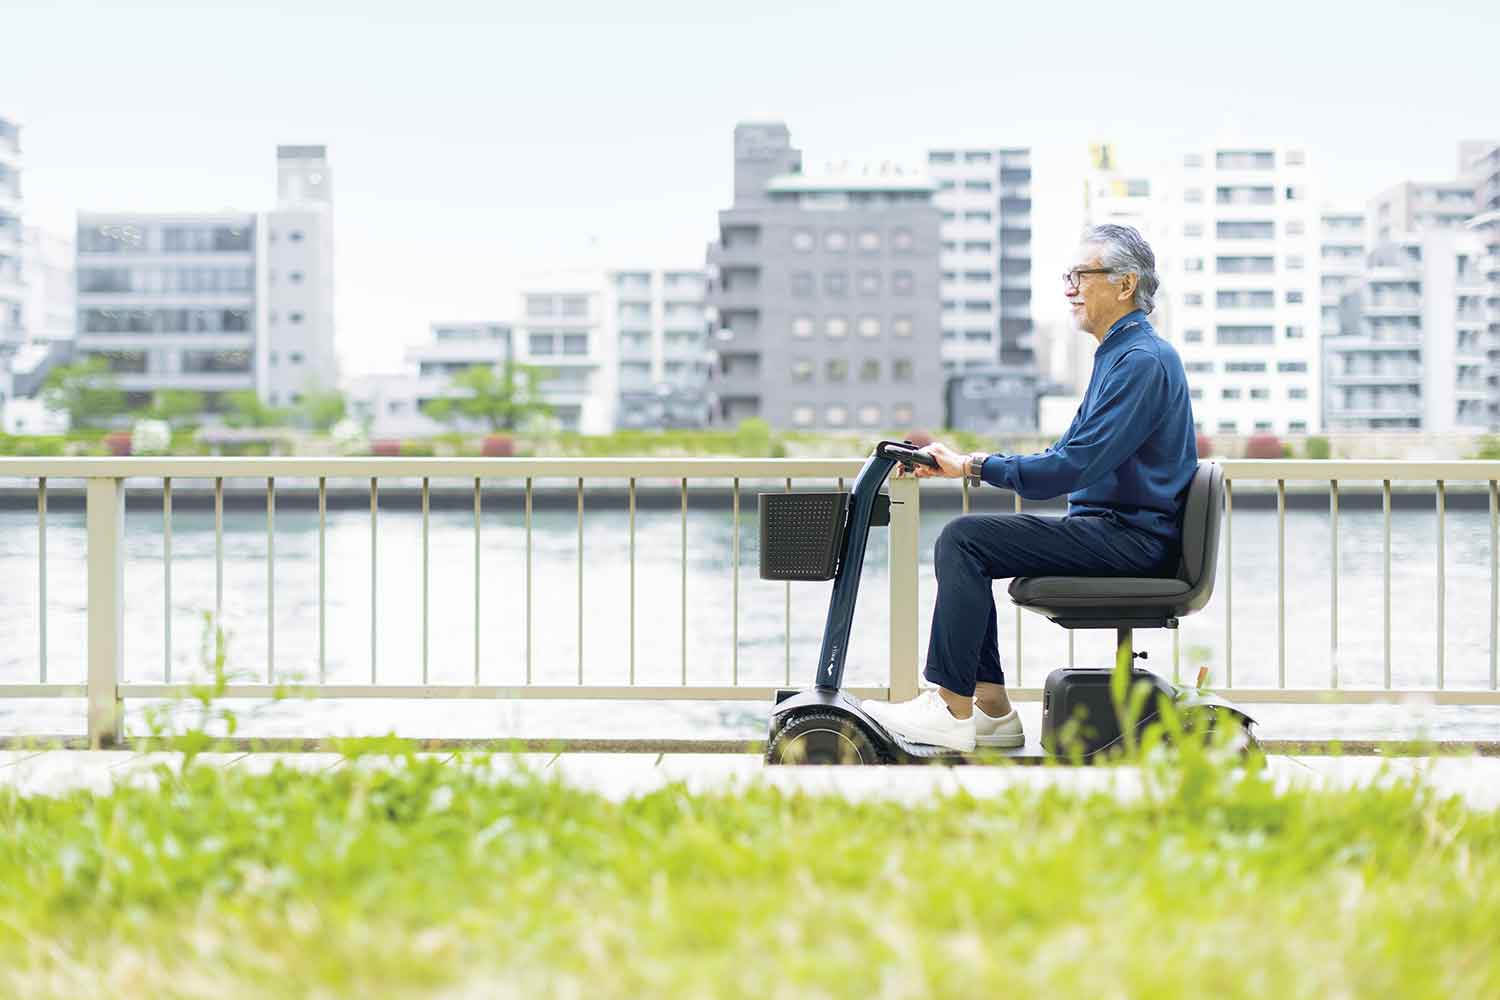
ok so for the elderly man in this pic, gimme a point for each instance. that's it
(1125, 464)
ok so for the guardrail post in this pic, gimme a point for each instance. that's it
(905, 517)
(106, 608)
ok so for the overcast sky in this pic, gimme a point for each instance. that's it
(472, 141)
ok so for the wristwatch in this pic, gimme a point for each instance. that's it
(973, 466)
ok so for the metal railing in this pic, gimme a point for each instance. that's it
(105, 481)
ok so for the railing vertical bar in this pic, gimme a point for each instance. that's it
(1442, 574)
(374, 616)
(426, 509)
(1385, 494)
(41, 571)
(1018, 617)
(270, 579)
(632, 581)
(1333, 585)
(478, 511)
(734, 654)
(322, 579)
(580, 580)
(1070, 647)
(787, 631)
(1281, 583)
(1176, 656)
(1228, 583)
(1494, 582)
(684, 582)
(218, 553)
(528, 578)
(166, 578)
(965, 483)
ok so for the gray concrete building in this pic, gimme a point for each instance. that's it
(823, 296)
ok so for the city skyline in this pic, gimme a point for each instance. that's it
(439, 216)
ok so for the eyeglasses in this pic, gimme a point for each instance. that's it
(1073, 278)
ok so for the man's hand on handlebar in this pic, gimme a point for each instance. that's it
(950, 463)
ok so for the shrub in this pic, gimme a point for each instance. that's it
(417, 449)
(752, 438)
(385, 447)
(1316, 447)
(1489, 448)
(117, 443)
(1263, 446)
(498, 446)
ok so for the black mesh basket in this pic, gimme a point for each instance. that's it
(801, 535)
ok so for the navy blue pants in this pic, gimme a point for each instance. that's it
(976, 549)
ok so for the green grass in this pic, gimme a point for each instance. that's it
(420, 878)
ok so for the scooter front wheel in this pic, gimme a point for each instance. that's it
(823, 738)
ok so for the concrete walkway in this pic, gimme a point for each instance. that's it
(52, 772)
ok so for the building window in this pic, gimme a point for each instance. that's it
(837, 370)
(901, 370)
(296, 236)
(1294, 262)
(869, 327)
(294, 357)
(979, 186)
(272, 358)
(541, 344)
(901, 326)
(1243, 335)
(1192, 161)
(1297, 427)
(576, 343)
(869, 241)
(1295, 227)
(802, 416)
(1227, 229)
(979, 217)
(575, 305)
(901, 413)
(294, 317)
(1195, 393)
(978, 246)
(1192, 230)
(802, 283)
(802, 327)
(802, 370)
(1192, 336)
(1294, 297)
(1245, 159)
(802, 240)
(1229, 426)
(869, 370)
(539, 305)
(1294, 333)
(836, 284)
(1193, 196)
(868, 282)
(980, 277)
(1296, 392)
(836, 415)
(1192, 264)
(1199, 367)
(1245, 367)
(295, 277)
(1260, 393)
(837, 327)
(1192, 299)
(1229, 393)
(1295, 192)
(1288, 367)
(901, 282)
(836, 240)
(1263, 425)
(869, 415)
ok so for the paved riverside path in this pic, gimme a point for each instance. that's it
(51, 772)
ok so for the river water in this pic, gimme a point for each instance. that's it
(700, 644)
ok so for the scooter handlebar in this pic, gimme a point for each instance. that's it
(906, 453)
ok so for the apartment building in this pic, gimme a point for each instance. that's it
(824, 296)
(665, 356)
(1241, 278)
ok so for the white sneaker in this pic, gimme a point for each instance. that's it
(1001, 731)
(924, 719)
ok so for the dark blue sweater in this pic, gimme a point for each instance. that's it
(1131, 449)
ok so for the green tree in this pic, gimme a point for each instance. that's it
(86, 390)
(320, 409)
(178, 407)
(246, 409)
(501, 399)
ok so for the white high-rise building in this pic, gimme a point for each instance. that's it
(1241, 276)
(298, 346)
(665, 358)
(566, 328)
(50, 312)
(1481, 162)
(1413, 352)
(12, 289)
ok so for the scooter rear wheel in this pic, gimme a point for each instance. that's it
(823, 738)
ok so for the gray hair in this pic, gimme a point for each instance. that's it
(1124, 251)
